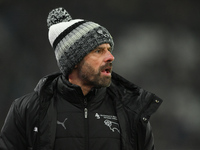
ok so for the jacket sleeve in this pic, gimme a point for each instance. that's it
(146, 136)
(154, 104)
(149, 139)
(12, 135)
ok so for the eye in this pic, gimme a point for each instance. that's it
(110, 50)
(98, 51)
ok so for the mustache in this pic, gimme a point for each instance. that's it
(107, 65)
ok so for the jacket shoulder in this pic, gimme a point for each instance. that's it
(26, 102)
(136, 99)
(43, 90)
(123, 84)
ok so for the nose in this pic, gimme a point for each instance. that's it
(109, 57)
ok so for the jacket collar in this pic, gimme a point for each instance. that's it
(73, 93)
(46, 83)
(56, 82)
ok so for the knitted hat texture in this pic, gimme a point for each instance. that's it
(73, 39)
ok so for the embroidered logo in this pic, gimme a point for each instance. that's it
(35, 129)
(62, 123)
(103, 33)
(112, 125)
(98, 116)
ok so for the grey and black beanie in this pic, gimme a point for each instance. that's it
(73, 39)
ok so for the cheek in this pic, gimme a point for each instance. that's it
(95, 63)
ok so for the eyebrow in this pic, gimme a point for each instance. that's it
(100, 47)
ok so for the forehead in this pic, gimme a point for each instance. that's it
(104, 46)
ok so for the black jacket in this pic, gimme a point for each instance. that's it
(31, 121)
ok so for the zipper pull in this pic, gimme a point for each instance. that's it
(86, 112)
(85, 102)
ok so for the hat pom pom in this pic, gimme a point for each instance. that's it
(58, 15)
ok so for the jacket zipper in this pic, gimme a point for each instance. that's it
(85, 108)
(86, 124)
(86, 112)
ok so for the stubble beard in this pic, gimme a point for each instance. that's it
(92, 77)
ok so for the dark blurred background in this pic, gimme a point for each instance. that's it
(156, 47)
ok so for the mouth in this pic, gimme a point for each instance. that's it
(107, 71)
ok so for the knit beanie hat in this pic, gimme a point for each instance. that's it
(73, 39)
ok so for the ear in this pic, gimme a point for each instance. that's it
(76, 67)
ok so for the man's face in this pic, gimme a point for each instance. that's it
(96, 67)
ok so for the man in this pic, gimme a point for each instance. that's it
(86, 106)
